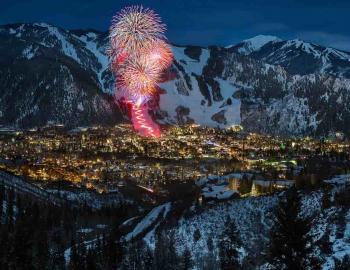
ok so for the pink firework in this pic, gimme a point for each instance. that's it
(139, 56)
(160, 53)
(140, 75)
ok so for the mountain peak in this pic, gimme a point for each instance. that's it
(87, 32)
(255, 43)
(262, 39)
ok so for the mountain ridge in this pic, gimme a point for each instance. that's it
(265, 90)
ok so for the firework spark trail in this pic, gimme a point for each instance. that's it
(139, 57)
(142, 122)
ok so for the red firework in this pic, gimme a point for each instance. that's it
(160, 54)
(142, 121)
(139, 75)
(139, 56)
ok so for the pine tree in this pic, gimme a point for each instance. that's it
(229, 244)
(138, 256)
(173, 259)
(57, 259)
(289, 248)
(21, 251)
(74, 256)
(91, 260)
(196, 235)
(186, 260)
(343, 264)
(4, 244)
(325, 244)
(147, 258)
(98, 253)
(111, 252)
(165, 256)
(132, 258)
(2, 197)
(160, 251)
(82, 255)
(9, 208)
(209, 261)
(41, 250)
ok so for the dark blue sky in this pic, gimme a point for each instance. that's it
(202, 22)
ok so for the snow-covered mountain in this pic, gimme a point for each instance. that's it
(47, 74)
(264, 83)
(296, 56)
(237, 89)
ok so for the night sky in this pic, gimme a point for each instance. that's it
(202, 22)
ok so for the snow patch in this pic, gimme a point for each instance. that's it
(149, 219)
(256, 43)
(99, 52)
(80, 106)
(29, 52)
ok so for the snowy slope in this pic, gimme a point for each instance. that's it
(254, 218)
(96, 43)
(201, 108)
(149, 220)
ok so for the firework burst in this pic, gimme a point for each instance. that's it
(139, 56)
(135, 28)
(160, 53)
(140, 75)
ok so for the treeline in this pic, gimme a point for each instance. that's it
(38, 235)
(32, 234)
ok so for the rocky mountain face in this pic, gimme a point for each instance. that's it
(48, 75)
(296, 56)
(224, 86)
(264, 84)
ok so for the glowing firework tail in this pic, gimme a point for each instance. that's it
(139, 56)
(143, 123)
